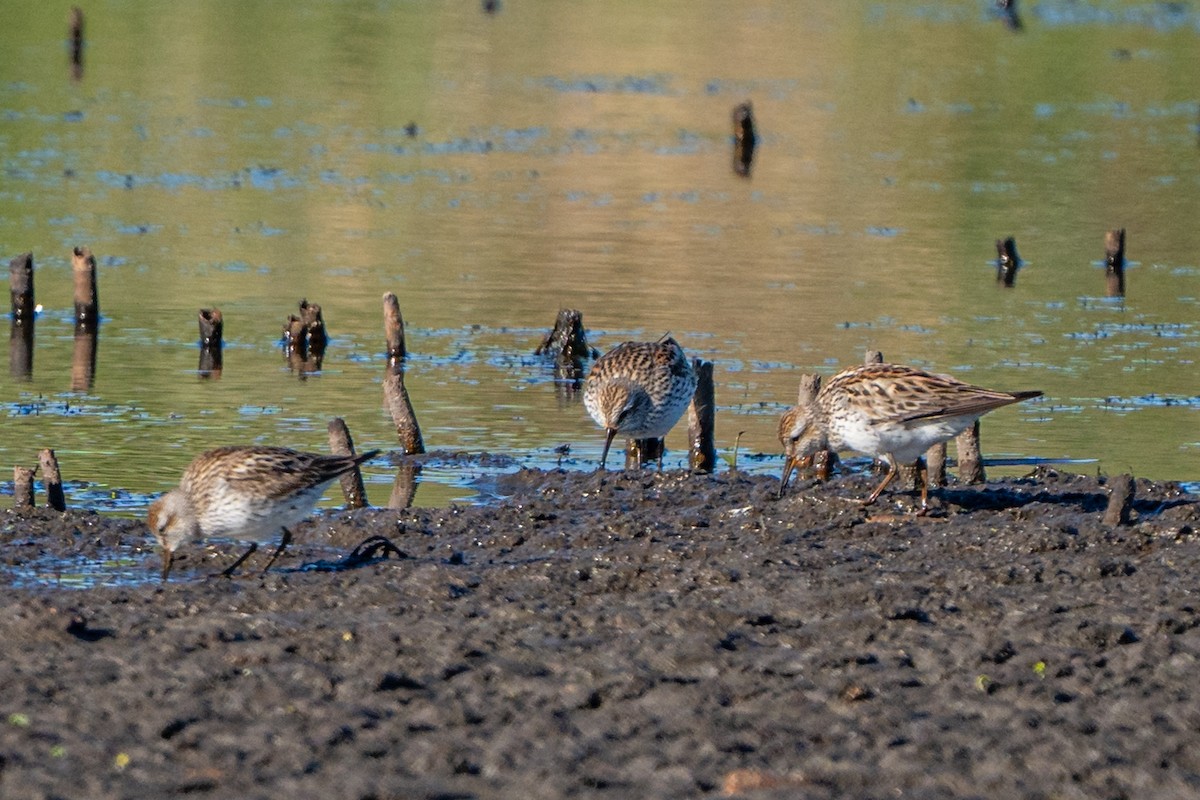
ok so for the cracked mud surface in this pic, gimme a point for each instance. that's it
(627, 635)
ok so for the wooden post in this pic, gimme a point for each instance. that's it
(400, 406)
(20, 349)
(340, 444)
(87, 298)
(293, 336)
(20, 278)
(23, 487)
(393, 329)
(212, 343)
(75, 37)
(1120, 500)
(567, 342)
(744, 139)
(52, 480)
(873, 357)
(935, 461)
(970, 462)
(83, 359)
(1007, 262)
(212, 328)
(314, 327)
(1114, 262)
(702, 450)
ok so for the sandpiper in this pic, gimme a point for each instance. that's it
(885, 410)
(247, 493)
(639, 389)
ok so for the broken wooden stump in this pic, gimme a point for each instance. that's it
(1120, 500)
(83, 359)
(395, 394)
(212, 328)
(20, 349)
(23, 487)
(20, 279)
(1007, 262)
(970, 461)
(823, 462)
(87, 297)
(701, 414)
(52, 480)
(393, 329)
(305, 339)
(75, 41)
(340, 444)
(1114, 262)
(935, 465)
(744, 139)
(212, 342)
(567, 343)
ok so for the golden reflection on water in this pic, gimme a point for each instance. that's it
(238, 156)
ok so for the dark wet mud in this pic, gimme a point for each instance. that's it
(629, 635)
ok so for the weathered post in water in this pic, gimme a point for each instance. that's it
(20, 348)
(404, 488)
(935, 465)
(639, 452)
(1114, 262)
(744, 139)
(212, 342)
(1007, 262)
(75, 41)
(395, 394)
(393, 329)
(340, 444)
(23, 487)
(52, 480)
(567, 343)
(702, 411)
(87, 296)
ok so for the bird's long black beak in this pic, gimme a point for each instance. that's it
(168, 557)
(607, 444)
(789, 464)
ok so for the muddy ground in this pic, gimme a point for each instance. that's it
(629, 635)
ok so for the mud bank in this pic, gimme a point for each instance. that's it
(628, 635)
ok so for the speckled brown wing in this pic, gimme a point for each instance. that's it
(898, 394)
(276, 471)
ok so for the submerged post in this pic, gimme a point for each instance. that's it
(20, 348)
(1007, 262)
(1120, 500)
(702, 450)
(340, 444)
(212, 342)
(567, 343)
(75, 38)
(87, 298)
(935, 462)
(1114, 262)
(52, 480)
(744, 139)
(639, 452)
(20, 279)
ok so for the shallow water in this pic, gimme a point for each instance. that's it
(247, 157)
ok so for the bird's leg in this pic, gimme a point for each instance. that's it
(891, 473)
(923, 479)
(607, 444)
(283, 543)
(662, 448)
(232, 568)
